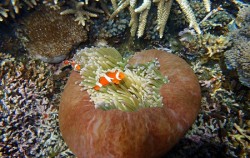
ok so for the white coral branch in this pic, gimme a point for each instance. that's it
(145, 5)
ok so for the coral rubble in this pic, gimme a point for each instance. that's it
(49, 36)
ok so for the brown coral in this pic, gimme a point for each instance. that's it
(208, 46)
(50, 36)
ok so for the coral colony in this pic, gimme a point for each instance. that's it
(28, 110)
(138, 87)
(138, 14)
(212, 37)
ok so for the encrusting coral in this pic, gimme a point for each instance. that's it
(48, 36)
(145, 132)
(163, 10)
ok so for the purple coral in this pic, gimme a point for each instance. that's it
(28, 116)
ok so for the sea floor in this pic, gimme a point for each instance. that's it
(30, 90)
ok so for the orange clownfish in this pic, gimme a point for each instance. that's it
(76, 66)
(109, 77)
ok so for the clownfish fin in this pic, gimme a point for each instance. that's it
(77, 67)
(116, 81)
(111, 75)
(66, 62)
(97, 88)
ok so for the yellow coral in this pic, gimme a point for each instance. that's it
(163, 8)
(189, 14)
(207, 5)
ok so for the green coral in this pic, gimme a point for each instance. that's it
(140, 87)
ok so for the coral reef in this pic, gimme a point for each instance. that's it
(221, 114)
(110, 30)
(30, 89)
(48, 36)
(29, 112)
(242, 14)
(163, 10)
(147, 132)
(12, 7)
(223, 120)
(208, 46)
(238, 57)
(82, 11)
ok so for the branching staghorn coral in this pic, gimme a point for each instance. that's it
(82, 11)
(241, 137)
(3, 13)
(163, 10)
(139, 88)
(12, 7)
(207, 5)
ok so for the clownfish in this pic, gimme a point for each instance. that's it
(76, 66)
(114, 77)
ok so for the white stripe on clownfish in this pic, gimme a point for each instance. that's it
(117, 76)
(99, 84)
(108, 77)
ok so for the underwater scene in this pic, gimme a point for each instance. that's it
(125, 78)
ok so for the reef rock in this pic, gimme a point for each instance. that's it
(49, 36)
(147, 132)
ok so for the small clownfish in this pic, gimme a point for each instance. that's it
(109, 77)
(76, 66)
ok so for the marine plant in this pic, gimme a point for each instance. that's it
(138, 86)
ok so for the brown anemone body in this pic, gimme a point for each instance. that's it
(148, 132)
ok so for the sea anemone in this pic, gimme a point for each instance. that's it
(150, 129)
(139, 87)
